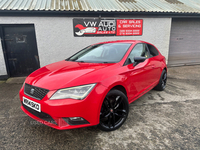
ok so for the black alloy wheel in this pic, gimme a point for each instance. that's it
(163, 81)
(114, 110)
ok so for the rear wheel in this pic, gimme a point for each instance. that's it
(163, 80)
(114, 111)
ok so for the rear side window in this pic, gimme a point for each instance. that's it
(152, 50)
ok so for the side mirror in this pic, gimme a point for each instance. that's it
(139, 59)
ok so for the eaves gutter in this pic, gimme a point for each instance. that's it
(114, 14)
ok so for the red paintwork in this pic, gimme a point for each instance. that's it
(136, 80)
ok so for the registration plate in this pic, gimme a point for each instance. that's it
(32, 104)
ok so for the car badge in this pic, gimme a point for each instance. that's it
(32, 91)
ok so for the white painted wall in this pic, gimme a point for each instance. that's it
(56, 42)
(2, 62)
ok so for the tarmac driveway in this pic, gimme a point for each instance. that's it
(158, 120)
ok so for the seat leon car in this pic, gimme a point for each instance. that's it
(94, 86)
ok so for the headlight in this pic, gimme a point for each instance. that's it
(77, 92)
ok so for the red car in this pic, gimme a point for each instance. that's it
(94, 86)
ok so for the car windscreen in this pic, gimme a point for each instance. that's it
(101, 53)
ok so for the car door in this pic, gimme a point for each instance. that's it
(138, 76)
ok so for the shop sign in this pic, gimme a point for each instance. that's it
(129, 27)
(107, 27)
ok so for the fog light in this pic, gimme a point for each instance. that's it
(75, 121)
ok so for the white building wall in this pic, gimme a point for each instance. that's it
(2, 62)
(55, 39)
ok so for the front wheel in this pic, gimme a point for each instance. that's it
(114, 111)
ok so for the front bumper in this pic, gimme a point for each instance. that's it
(54, 113)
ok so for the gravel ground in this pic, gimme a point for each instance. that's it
(158, 120)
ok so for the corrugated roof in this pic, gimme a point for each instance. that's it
(177, 6)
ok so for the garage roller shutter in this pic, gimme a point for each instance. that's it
(184, 46)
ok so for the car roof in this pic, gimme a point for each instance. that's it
(122, 41)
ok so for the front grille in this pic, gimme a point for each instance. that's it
(40, 115)
(35, 92)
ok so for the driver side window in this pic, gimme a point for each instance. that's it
(140, 50)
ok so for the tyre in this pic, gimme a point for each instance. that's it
(162, 83)
(114, 111)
